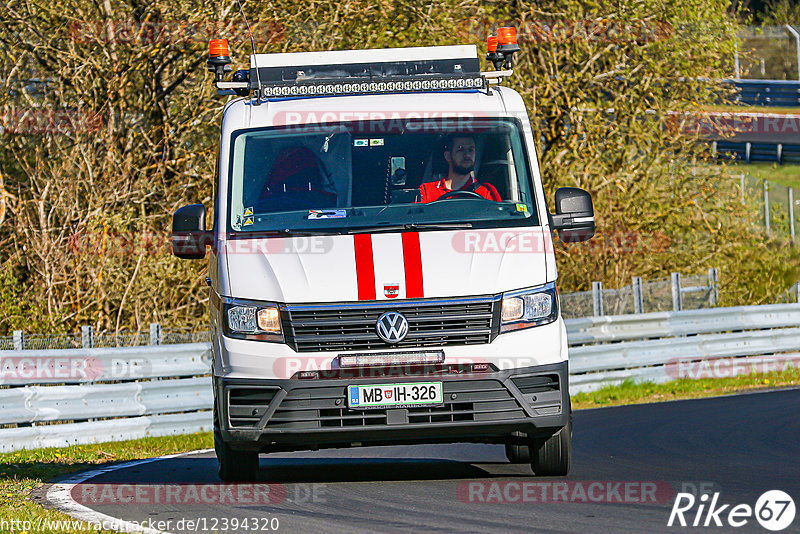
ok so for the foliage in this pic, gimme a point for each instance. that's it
(777, 12)
(86, 199)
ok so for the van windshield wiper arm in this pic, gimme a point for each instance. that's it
(409, 226)
(288, 232)
(437, 226)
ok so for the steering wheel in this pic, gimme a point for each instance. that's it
(459, 192)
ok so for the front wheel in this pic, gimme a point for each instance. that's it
(518, 454)
(552, 456)
(234, 466)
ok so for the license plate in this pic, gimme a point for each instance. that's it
(395, 395)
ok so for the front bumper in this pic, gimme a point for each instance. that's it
(276, 414)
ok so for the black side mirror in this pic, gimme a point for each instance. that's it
(574, 218)
(189, 235)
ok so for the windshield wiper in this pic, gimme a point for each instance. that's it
(437, 226)
(288, 232)
(409, 226)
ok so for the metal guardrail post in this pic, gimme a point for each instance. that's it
(742, 186)
(791, 212)
(797, 43)
(797, 289)
(766, 205)
(87, 337)
(677, 303)
(19, 340)
(747, 148)
(597, 298)
(713, 283)
(638, 296)
(155, 333)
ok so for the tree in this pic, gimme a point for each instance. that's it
(111, 124)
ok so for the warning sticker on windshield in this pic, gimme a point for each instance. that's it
(327, 214)
(361, 142)
(248, 212)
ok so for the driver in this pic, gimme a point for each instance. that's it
(459, 152)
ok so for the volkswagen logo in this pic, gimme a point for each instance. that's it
(392, 327)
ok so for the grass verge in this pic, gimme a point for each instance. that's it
(787, 174)
(629, 392)
(22, 471)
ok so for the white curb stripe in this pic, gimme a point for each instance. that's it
(60, 496)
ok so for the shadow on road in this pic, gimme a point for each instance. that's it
(203, 470)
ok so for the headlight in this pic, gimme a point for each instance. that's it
(250, 320)
(531, 307)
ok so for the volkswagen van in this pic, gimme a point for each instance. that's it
(347, 310)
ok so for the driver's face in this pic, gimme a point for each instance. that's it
(462, 155)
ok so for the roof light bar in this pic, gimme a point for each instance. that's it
(405, 85)
(360, 72)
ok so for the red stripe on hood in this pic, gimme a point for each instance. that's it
(412, 262)
(365, 266)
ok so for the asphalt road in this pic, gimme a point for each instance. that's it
(739, 446)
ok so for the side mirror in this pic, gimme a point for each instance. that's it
(574, 217)
(189, 235)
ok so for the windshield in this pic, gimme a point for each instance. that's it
(370, 175)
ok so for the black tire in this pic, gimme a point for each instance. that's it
(518, 454)
(552, 456)
(234, 466)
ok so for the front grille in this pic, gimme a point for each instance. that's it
(326, 407)
(247, 405)
(430, 323)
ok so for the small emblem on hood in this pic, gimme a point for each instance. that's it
(391, 290)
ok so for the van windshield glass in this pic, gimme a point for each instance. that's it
(373, 175)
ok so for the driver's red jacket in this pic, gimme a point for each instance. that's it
(431, 191)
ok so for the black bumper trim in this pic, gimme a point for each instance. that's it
(297, 419)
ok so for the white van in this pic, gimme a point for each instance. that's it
(382, 268)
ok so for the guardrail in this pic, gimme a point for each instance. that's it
(109, 394)
(126, 393)
(767, 92)
(663, 346)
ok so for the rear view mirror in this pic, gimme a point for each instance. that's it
(397, 171)
(189, 236)
(574, 217)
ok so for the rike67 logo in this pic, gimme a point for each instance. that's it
(774, 510)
